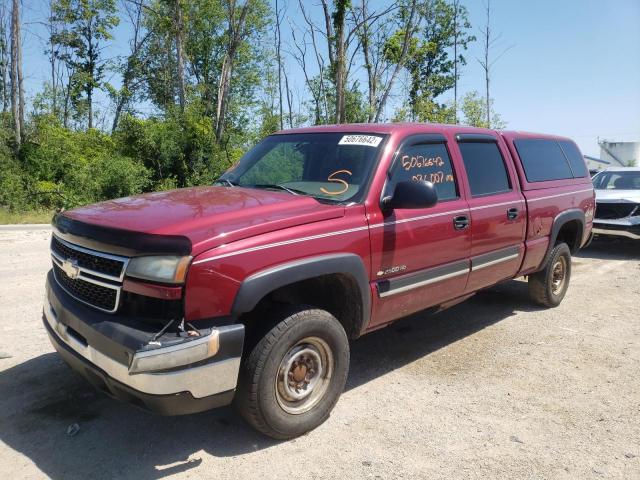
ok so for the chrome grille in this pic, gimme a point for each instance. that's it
(92, 277)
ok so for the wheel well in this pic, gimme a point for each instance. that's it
(336, 293)
(571, 234)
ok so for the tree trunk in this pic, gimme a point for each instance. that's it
(91, 71)
(224, 87)
(4, 60)
(487, 65)
(279, 59)
(16, 72)
(455, 60)
(371, 80)
(180, 55)
(289, 100)
(339, 63)
(408, 32)
(223, 93)
(90, 104)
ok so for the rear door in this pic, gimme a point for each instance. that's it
(497, 207)
(420, 257)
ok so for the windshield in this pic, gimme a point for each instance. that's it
(328, 166)
(617, 180)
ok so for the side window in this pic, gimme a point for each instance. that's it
(542, 160)
(578, 167)
(425, 161)
(485, 168)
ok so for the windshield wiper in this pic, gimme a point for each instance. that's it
(227, 181)
(292, 191)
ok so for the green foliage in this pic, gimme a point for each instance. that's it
(87, 23)
(474, 109)
(179, 147)
(282, 164)
(429, 63)
(63, 168)
(62, 163)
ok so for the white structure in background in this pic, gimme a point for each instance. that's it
(620, 154)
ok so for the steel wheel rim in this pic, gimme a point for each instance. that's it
(558, 275)
(304, 375)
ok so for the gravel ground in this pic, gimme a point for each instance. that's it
(493, 388)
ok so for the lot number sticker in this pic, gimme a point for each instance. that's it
(366, 140)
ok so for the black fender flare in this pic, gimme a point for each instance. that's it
(258, 285)
(559, 222)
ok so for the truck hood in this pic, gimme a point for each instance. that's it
(207, 216)
(618, 196)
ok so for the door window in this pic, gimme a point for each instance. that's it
(425, 161)
(485, 168)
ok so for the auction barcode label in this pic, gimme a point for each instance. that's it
(366, 140)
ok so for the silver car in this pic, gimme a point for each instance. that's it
(617, 202)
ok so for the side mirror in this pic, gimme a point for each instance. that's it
(411, 194)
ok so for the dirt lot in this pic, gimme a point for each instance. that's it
(493, 388)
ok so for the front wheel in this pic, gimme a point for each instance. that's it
(549, 286)
(293, 377)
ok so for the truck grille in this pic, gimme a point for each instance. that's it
(105, 298)
(92, 277)
(91, 261)
(610, 211)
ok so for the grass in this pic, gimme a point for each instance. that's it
(36, 216)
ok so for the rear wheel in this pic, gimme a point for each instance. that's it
(549, 286)
(293, 377)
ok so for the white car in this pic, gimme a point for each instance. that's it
(617, 202)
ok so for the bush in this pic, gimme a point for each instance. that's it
(59, 167)
(72, 168)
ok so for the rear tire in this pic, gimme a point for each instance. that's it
(549, 286)
(293, 377)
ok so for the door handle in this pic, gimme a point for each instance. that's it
(512, 213)
(461, 222)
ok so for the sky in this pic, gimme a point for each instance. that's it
(570, 67)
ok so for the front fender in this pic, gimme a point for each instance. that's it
(260, 284)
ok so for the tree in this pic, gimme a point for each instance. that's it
(488, 43)
(431, 69)
(132, 68)
(4, 58)
(17, 92)
(460, 39)
(86, 24)
(338, 68)
(237, 32)
(397, 50)
(179, 34)
(474, 111)
(372, 31)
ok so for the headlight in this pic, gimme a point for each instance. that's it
(167, 269)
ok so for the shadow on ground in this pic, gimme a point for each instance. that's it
(42, 397)
(611, 248)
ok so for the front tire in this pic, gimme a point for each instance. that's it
(549, 286)
(293, 377)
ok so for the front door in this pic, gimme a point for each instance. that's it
(420, 257)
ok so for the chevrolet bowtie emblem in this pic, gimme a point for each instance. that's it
(70, 267)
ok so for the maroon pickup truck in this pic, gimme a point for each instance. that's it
(249, 291)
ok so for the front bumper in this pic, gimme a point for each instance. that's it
(103, 350)
(620, 228)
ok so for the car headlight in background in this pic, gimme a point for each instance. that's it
(165, 269)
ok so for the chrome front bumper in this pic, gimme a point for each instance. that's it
(617, 233)
(201, 381)
(625, 227)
